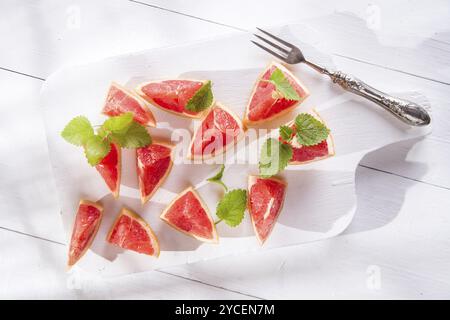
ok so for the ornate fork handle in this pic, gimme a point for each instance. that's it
(407, 111)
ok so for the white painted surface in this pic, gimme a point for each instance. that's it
(400, 232)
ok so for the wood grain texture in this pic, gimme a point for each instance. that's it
(33, 269)
(392, 233)
(48, 34)
(398, 23)
(27, 190)
(418, 159)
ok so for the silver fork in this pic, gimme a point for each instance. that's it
(407, 111)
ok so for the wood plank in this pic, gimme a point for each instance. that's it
(422, 160)
(34, 269)
(396, 225)
(411, 32)
(48, 34)
(27, 190)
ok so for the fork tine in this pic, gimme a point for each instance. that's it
(269, 51)
(272, 44)
(287, 44)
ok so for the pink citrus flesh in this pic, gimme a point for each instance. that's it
(172, 95)
(265, 201)
(131, 232)
(310, 153)
(85, 227)
(188, 214)
(120, 100)
(302, 154)
(218, 130)
(109, 169)
(153, 165)
(264, 105)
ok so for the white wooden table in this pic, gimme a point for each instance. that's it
(398, 245)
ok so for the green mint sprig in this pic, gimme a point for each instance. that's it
(78, 131)
(309, 130)
(274, 157)
(283, 87)
(286, 133)
(275, 154)
(217, 178)
(127, 134)
(121, 130)
(202, 99)
(96, 149)
(231, 207)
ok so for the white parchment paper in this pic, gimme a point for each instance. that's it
(320, 200)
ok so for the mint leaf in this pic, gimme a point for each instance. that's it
(118, 124)
(202, 99)
(136, 136)
(231, 207)
(310, 131)
(105, 135)
(96, 149)
(218, 178)
(286, 133)
(283, 86)
(122, 130)
(78, 131)
(274, 157)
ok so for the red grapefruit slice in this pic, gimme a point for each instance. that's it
(265, 201)
(85, 227)
(120, 100)
(131, 232)
(263, 106)
(305, 154)
(187, 213)
(109, 169)
(172, 95)
(153, 165)
(219, 130)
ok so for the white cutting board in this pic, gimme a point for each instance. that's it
(320, 200)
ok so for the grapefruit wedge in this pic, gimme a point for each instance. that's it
(265, 201)
(219, 130)
(264, 105)
(153, 165)
(131, 232)
(120, 100)
(305, 154)
(172, 95)
(109, 169)
(85, 227)
(187, 213)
